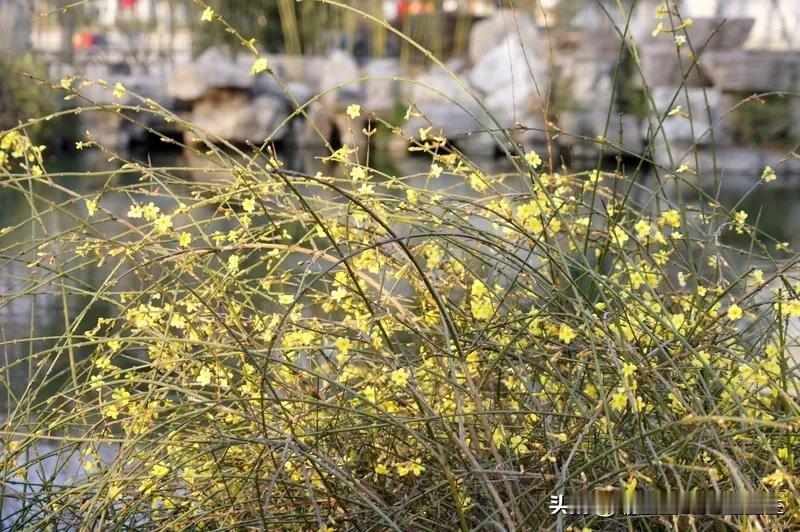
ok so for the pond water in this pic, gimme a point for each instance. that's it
(42, 314)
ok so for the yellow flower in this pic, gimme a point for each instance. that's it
(159, 470)
(734, 312)
(91, 206)
(533, 159)
(119, 90)
(629, 369)
(414, 466)
(358, 173)
(768, 175)
(354, 111)
(371, 394)
(480, 302)
(114, 491)
(477, 182)
(642, 228)
(399, 377)
(739, 219)
(619, 400)
(178, 321)
(620, 236)
(436, 170)
(135, 211)
(233, 264)
(285, 299)
(185, 239)
(110, 411)
(342, 346)
(150, 211)
(249, 205)
(517, 445)
(566, 333)
(121, 396)
(163, 223)
(204, 377)
(208, 15)
(259, 66)
(671, 218)
(776, 479)
(381, 469)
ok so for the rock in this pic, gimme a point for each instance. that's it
(511, 90)
(719, 33)
(588, 81)
(509, 104)
(660, 67)
(510, 67)
(490, 32)
(446, 105)
(300, 91)
(598, 43)
(236, 116)
(506, 65)
(741, 70)
(291, 67)
(455, 65)
(381, 90)
(213, 69)
(338, 80)
(693, 102)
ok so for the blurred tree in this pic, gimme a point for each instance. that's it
(297, 27)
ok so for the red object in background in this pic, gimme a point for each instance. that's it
(128, 3)
(413, 7)
(83, 40)
(402, 8)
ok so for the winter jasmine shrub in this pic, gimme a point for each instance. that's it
(354, 350)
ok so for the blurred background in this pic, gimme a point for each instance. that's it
(601, 77)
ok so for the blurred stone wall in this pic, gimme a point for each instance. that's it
(15, 25)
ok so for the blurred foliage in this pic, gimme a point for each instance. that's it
(297, 27)
(21, 98)
(762, 122)
(630, 95)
